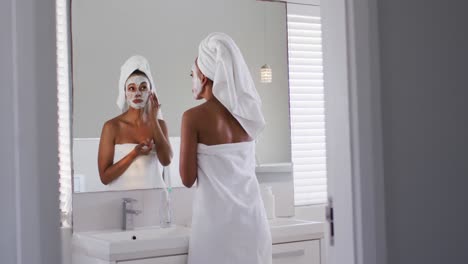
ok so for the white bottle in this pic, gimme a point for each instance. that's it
(165, 210)
(269, 202)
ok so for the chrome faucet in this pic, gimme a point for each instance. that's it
(128, 212)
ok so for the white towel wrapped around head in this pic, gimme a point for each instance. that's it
(220, 60)
(132, 64)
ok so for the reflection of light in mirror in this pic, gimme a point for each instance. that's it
(265, 74)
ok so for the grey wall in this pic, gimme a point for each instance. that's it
(7, 188)
(106, 33)
(29, 206)
(424, 55)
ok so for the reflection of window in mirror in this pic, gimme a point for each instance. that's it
(307, 104)
(63, 94)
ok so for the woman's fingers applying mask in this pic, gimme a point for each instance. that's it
(155, 105)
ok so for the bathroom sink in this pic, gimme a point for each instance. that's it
(291, 229)
(140, 234)
(150, 242)
(132, 244)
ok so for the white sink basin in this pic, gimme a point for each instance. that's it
(139, 243)
(141, 234)
(116, 245)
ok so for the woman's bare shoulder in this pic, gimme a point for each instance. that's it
(111, 126)
(196, 112)
(113, 123)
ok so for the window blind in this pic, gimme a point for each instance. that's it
(307, 107)
(63, 93)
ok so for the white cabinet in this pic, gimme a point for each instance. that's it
(303, 252)
(306, 252)
(179, 259)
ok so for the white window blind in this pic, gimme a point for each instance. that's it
(307, 104)
(63, 94)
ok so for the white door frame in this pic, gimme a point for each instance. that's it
(29, 166)
(354, 134)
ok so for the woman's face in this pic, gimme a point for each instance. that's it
(137, 91)
(196, 82)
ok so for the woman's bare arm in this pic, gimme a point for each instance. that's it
(108, 171)
(160, 134)
(188, 166)
(161, 140)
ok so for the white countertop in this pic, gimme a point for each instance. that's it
(273, 167)
(113, 245)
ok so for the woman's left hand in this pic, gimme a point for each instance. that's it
(154, 109)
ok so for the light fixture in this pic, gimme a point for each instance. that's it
(265, 74)
(265, 71)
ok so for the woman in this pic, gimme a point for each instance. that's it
(132, 143)
(218, 151)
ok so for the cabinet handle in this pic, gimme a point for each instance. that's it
(288, 254)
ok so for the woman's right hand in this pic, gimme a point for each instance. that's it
(144, 148)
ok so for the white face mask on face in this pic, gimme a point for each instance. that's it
(141, 97)
(196, 83)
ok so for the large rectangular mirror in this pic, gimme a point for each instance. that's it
(167, 33)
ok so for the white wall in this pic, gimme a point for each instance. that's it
(424, 59)
(106, 33)
(29, 224)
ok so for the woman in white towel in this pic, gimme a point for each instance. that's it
(229, 223)
(132, 143)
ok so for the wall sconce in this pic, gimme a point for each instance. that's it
(265, 74)
(265, 71)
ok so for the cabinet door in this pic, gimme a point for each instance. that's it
(179, 259)
(307, 252)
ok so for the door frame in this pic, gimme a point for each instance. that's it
(354, 131)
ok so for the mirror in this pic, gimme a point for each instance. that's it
(167, 33)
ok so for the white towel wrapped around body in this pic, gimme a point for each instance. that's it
(229, 223)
